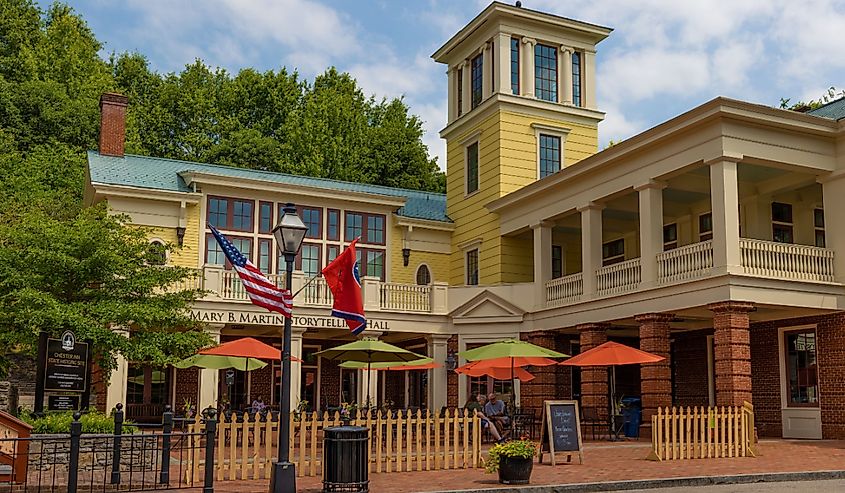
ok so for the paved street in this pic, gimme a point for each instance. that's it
(784, 487)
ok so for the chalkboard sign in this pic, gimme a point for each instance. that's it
(561, 430)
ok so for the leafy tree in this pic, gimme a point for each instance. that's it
(831, 95)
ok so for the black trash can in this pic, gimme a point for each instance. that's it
(345, 460)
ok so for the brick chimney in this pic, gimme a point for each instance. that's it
(113, 124)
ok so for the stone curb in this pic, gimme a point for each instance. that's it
(644, 484)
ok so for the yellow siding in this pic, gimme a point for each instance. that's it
(188, 254)
(438, 263)
(507, 162)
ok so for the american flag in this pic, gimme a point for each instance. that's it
(261, 291)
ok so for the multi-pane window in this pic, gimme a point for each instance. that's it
(613, 251)
(472, 168)
(265, 217)
(218, 212)
(476, 78)
(545, 72)
(354, 225)
(705, 227)
(332, 251)
(156, 253)
(375, 229)
(244, 245)
(557, 261)
(472, 267)
(333, 225)
(242, 215)
(576, 78)
(309, 259)
(515, 65)
(460, 91)
(549, 155)
(801, 368)
(670, 237)
(311, 218)
(782, 222)
(818, 223)
(423, 275)
(375, 263)
(265, 249)
(213, 253)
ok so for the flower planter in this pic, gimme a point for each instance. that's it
(515, 470)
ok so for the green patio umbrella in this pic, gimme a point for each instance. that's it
(369, 351)
(214, 362)
(387, 365)
(510, 348)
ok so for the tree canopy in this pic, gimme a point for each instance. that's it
(804, 106)
(64, 265)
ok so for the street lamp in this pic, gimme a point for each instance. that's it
(289, 233)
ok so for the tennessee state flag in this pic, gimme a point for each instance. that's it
(343, 279)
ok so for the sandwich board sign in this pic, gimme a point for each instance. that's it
(561, 433)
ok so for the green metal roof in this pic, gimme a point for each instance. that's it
(833, 109)
(163, 174)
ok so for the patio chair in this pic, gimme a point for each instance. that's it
(522, 423)
(590, 419)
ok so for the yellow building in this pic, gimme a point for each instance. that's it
(708, 239)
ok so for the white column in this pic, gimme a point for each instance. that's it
(487, 71)
(542, 260)
(363, 389)
(833, 195)
(526, 66)
(591, 239)
(502, 61)
(565, 76)
(466, 103)
(295, 367)
(438, 390)
(588, 88)
(208, 379)
(452, 77)
(724, 200)
(651, 228)
(116, 391)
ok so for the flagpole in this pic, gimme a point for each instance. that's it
(310, 280)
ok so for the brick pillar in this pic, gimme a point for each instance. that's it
(655, 378)
(732, 352)
(543, 387)
(593, 378)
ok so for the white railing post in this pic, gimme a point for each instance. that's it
(371, 292)
(564, 290)
(619, 277)
(439, 300)
(686, 262)
(213, 280)
(786, 260)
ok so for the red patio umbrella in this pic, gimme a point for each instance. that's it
(247, 347)
(612, 354)
(498, 373)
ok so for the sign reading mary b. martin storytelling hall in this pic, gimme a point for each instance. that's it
(304, 321)
(66, 364)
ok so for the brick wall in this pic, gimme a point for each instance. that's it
(689, 368)
(187, 389)
(544, 385)
(451, 376)
(830, 350)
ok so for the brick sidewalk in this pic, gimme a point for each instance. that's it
(602, 463)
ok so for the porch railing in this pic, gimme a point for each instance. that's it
(686, 262)
(317, 293)
(564, 289)
(231, 287)
(703, 433)
(786, 260)
(405, 297)
(620, 277)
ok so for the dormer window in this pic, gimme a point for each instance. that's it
(476, 81)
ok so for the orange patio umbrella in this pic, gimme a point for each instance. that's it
(516, 362)
(498, 373)
(247, 347)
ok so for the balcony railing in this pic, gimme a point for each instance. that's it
(405, 297)
(686, 262)
(565, 289)
(619, 278)
(786, 261)
(226, 285)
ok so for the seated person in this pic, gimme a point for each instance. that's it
(478, 405)
(496, 412)
(473, 405)
(258, 405)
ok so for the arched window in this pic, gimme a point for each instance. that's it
(157, 253)
(423, 275)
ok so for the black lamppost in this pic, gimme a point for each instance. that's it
(289, 233)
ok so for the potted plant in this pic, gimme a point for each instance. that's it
(514, 460)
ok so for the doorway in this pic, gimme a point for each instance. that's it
(800, 399)
(147, 391)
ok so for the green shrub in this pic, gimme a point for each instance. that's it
(524, 449)
(59, 422)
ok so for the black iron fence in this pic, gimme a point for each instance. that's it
(144, 460)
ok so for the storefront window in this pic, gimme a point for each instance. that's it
(348, 385)
(801, 368)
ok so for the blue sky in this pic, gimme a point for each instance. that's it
(664, 56)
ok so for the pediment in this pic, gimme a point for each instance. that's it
(487, 307)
